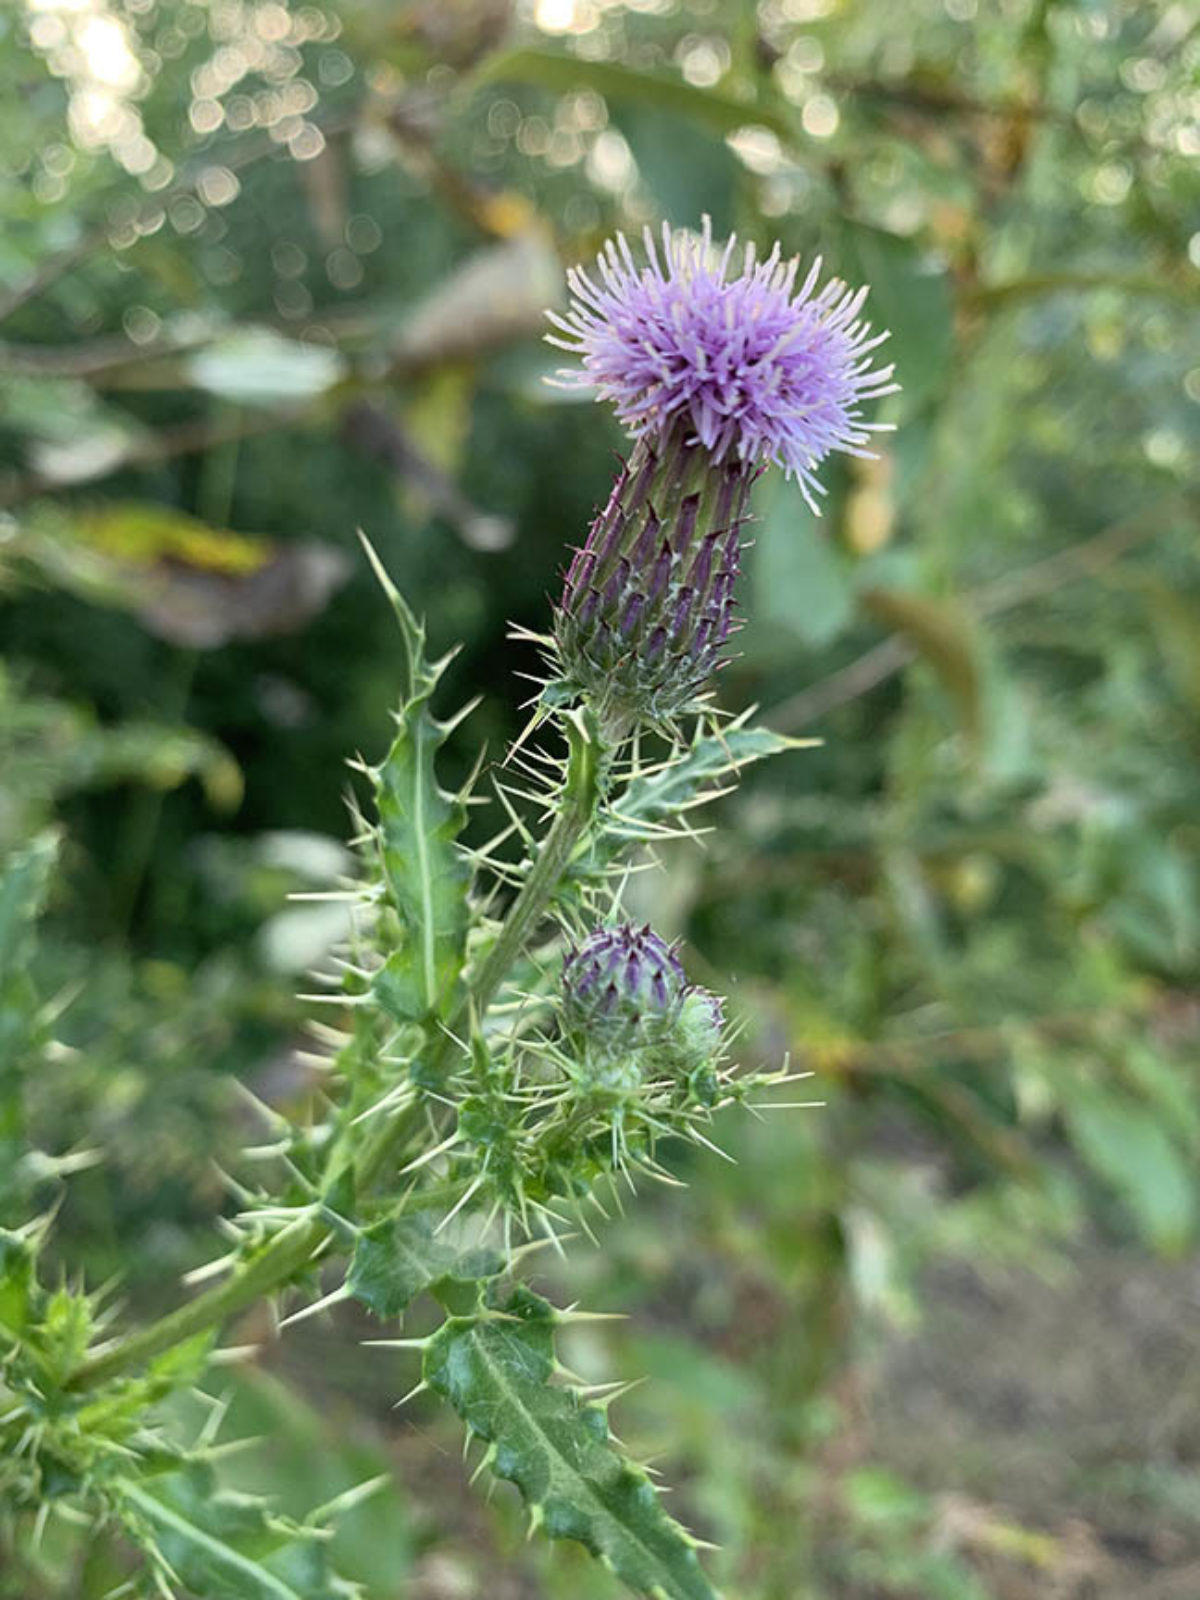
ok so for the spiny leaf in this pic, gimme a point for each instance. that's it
(711, 758)
(495, 1368)
(652, 799)
(399, 1258)
(425, 876)
(214, 1542)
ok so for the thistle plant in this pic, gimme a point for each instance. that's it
(503, 1047)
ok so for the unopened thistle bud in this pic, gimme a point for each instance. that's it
(623, 990)
(714, 377)
(647, 606)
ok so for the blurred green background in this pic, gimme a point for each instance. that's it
(273, 271)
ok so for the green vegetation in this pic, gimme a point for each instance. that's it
(273, 272)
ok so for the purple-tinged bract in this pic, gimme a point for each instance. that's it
(757, 369)
(622, 988)
(647, 607)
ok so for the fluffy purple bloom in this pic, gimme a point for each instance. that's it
(755, 368)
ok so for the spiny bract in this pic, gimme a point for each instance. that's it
(622, 988)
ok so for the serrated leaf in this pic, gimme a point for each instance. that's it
(399, 1258)
(710, 762)
(425, 876)
(495, 1368)
(216, 1542)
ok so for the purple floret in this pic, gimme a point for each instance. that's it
(758, 369)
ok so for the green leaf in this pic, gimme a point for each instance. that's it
(697, 774)
(548, 69)
(399, 1258)
(495, 1368)
(1125, 1144)
(256, 366)
(216, 1542)
(425, 876)
(945, 637)
(687, 166)
(802, 584)
(910, 297)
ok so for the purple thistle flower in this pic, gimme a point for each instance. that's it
(755, 369)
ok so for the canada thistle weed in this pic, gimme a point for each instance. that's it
(506, 1049)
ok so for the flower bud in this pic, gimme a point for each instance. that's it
(647, 605)
(623, 989)
(701, 1025)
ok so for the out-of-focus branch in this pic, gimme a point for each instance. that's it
(236, 159)
(494, 299)
(987, 295)
(96, 357)
(893, 654)
(369, 429)
(915, 95)
(189, 438)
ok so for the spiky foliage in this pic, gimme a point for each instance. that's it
(476, 1096)
(423, 878)
(496, 1366)
(107, 1459)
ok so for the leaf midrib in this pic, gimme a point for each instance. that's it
(500, 1379)
(267, 1581)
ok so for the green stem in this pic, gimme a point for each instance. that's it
(586, 771)
(289, 1251)
(576, 812)
(301, 1242)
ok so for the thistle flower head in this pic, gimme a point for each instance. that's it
(757, 369)
(622, 988)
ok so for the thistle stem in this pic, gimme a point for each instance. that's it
(290, 1250)
(300, 1243)
(587, 765)
(581, 794)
